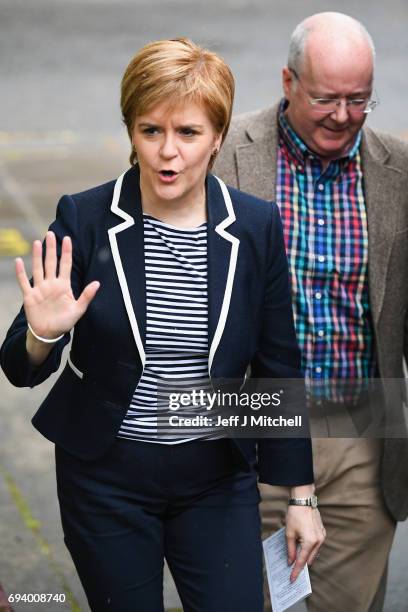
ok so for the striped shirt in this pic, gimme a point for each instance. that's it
(176, 331)
(325, 227)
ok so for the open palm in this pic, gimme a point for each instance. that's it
(50, 306)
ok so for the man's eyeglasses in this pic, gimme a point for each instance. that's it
(330, 105)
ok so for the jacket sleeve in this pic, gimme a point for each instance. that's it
(281, 460)
(13, 355)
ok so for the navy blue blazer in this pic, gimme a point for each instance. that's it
(250, 319)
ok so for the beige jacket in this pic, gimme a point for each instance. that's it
(248, 161)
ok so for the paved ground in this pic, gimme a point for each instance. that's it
(60, 132)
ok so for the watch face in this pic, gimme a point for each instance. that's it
(313, 500)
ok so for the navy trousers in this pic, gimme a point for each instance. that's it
(189, 503)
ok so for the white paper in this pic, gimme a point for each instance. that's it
(284, 593)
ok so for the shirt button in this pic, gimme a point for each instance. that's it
(300, 168)
(321, 258)
(318, 370)
(321, 187)
(318, 295)
(320, 333)
(320, 221)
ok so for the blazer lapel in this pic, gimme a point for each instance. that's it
(381, 189)
(127, 245)
(256, 161)
(126, 240)
(222, 260)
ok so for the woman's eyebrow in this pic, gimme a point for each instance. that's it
(195, 126)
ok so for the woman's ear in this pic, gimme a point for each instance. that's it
(218, 142)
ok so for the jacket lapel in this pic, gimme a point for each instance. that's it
(381, 189)
(256, 161)
(222, 260)
(126, 240)
(127, 245)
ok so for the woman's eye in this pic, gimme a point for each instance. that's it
(150, 131)
(186, 131)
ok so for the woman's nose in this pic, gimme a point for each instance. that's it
(169, 146)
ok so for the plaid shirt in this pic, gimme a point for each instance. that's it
(325, 228)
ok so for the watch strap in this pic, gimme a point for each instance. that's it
(304, 501)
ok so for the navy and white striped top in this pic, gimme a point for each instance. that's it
(176, 329)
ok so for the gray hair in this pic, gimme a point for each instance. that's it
(299, 37)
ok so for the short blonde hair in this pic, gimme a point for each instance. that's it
(177, 71)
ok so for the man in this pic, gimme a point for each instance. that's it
(343, 194)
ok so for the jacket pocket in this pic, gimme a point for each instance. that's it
(77, 416)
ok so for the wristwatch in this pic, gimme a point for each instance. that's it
(304, 501)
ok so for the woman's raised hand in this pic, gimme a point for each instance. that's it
(50, 306)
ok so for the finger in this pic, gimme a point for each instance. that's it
(320, 538)
(22, 276)
(87, 295)
(291, 546)
(50, 263)
(37, 264)
(66, 258)
(313, 554)
(300, 562)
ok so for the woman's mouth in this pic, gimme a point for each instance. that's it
(168, 176)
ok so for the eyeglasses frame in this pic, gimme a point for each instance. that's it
(372, 103)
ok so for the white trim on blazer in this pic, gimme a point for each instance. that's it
(74, 368)
(128, 222)
(220, 229)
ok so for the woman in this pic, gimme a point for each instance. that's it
(162, 275)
